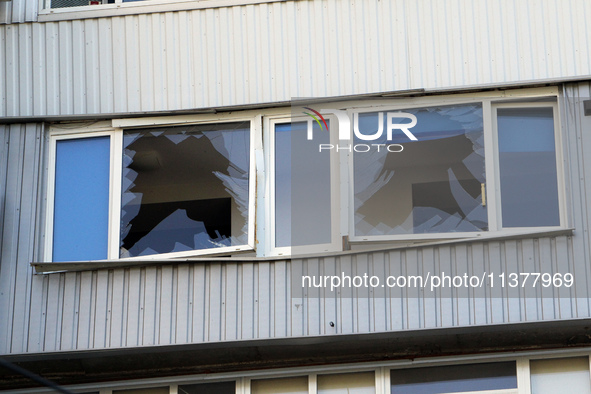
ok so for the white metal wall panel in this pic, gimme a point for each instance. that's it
(275, 51)
(18, 11)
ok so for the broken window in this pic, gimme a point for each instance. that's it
(435, 185)
(185, 188)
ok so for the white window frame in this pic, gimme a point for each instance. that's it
(58, 135)
(120, 8)
(496, 192)
(115, 190)
(489, 105)
(269, 146)
(261, 228)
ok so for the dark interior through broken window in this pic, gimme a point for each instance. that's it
(184, 188)
(433, 185)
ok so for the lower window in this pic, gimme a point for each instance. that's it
(455, 378)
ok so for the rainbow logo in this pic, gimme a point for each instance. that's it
(316, 119)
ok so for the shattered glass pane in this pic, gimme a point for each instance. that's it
(433, 185)
(184, 188)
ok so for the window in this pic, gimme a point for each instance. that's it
(81, 199)
(55, 10)
(184, 188)
(501, 374)
(208, 388)
(433, 186)
(73, 3)
(527, 167)
(474, 167)
(351, 383)
(454, 378)
(153, 390)
(177, 190)
(78, 3)
(297, 385)
(303, 181)
(552, 376)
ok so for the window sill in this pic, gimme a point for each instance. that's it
(47, 268)
(379, 244)
(138, 7)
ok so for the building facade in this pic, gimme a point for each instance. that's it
(227, 196)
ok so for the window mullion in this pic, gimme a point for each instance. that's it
(523, 378)
(347, 210)
(312, 384)
(383, 380)
(243, 386)
(560, 167)
(257, 197)
(265, 199)
(491, 167)
(115, 193)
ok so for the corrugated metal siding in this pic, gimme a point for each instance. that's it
(413, 308)
(276, 51)
(19, 189)
(197, 303)
(577, 164)
(18, 11)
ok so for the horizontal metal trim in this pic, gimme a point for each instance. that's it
(308, 101)
(74, 266)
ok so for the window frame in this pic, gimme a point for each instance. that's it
(490, 104)
(115, 188)
(560, 176)
(120, 8)
(54, 137)
(269, 147)
(261, 216)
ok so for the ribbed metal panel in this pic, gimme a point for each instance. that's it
(173, 304)
(412, 308)
(275, 51)
(266, 53)
(18, 11)
(198, 303)
(20, 158)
